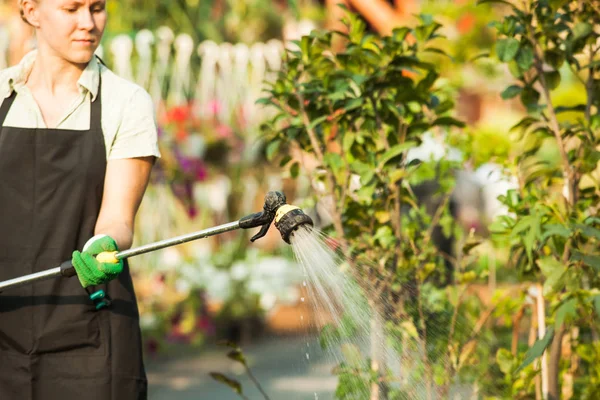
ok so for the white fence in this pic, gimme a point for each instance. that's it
(175, 70)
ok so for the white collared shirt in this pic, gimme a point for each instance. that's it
(128, 116)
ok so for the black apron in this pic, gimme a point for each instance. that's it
(54, 343)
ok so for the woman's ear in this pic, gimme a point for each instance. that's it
(30, 11)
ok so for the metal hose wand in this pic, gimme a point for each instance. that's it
(287, 219)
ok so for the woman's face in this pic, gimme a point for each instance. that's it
(72, 29)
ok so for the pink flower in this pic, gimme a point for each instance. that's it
(214, 107)
(224, 131)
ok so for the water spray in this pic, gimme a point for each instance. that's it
(287, 219)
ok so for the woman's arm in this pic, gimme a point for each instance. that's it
(124, 186)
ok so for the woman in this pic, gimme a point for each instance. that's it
(77, 144)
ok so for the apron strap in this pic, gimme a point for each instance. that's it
(96, 109)
(6, 104)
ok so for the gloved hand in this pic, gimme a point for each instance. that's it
(91, 271)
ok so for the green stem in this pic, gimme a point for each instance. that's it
(256, 383)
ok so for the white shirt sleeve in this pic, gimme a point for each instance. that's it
(137, 133)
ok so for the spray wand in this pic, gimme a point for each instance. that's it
(287, 219)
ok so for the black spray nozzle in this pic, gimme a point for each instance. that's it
(287, 218)
(273, 200)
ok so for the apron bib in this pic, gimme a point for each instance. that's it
(54, 344)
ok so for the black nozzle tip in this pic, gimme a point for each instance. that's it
(274, 200)
(290, 221)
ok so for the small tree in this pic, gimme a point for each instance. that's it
(356, 113)
(554, 229)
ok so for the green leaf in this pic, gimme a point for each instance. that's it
(537, 349)
(555, 230)
(384, 236)
(525, 58)
(514, 69)
(596, 300)
(237, 355)
(576, 108)
(507, 49)
(333, 161)
(525, 123)
(505, 361)
(448, 121)
(438, 51)
(272, 149)
(348, 141)
(317, 121)
(582, 30)
(555, 58)
(495, 1)
(566, 312)
(228, 343)
(478, 56)
(295, 170)
(588, 259)
(530, 96)
(233, 384)
(427, 82)
(353, 103)
(511, 92)
(285, 160)
(553, 271)
(395, 151)
(588, 231)
(552, 79)
(329, 337)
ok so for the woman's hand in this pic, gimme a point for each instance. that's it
(89, 270)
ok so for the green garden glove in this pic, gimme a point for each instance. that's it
(90, 271)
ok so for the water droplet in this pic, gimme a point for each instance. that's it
(307, 356)
(304, 283)
(302, 299)
(302, 317)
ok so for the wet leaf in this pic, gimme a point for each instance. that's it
(537, 349)
(351, 354)
(329, 337)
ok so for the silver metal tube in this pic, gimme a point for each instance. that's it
(178, 240)
(27, 279)
(56, 272)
